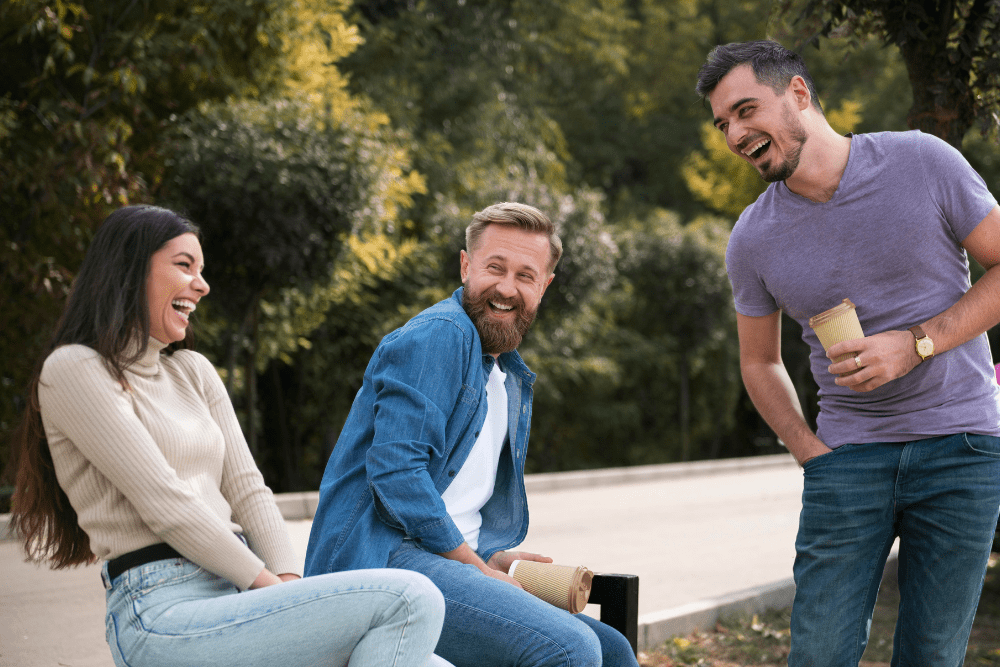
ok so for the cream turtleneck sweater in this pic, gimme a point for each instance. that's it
(164, 461)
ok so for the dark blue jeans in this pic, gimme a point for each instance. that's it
(940, 496)
(490, 623)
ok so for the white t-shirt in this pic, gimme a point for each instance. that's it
(473, 485)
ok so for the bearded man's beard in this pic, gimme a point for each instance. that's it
(497, 336)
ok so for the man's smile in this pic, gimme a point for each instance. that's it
(756, 149)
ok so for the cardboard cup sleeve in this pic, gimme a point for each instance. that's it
(563, 586)
(838, 324)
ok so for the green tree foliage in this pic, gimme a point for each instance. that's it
(278, 184)
(647, 371)
(334, 151)
(315, 345)
(657, 123)
(726, 183)
(951, 49)
(271, 186)
(95, 99)
(272, 189)
(470, 91)
(87, 90)
(603, 85)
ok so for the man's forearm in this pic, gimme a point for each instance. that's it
(977, 311)
(774, 396)
(465, 554)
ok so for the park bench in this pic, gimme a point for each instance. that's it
(618, 595)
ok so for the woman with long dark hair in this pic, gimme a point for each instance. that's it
(129, 451)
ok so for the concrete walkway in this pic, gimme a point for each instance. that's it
(704, 538)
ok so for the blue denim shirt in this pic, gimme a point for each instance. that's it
(410, 429)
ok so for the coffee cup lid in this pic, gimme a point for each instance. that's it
(827, 315)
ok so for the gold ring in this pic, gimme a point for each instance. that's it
(857, 360)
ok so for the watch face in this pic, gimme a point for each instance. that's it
(925, 347)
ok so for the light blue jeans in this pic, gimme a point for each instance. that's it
(490, 623)
(940, 496)
(172, 612)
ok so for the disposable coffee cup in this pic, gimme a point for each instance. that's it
(838, 324)
(563, 586)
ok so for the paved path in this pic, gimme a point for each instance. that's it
(701, 535)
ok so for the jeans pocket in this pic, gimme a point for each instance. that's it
(818, 461)
(986, 445)
(164, 573)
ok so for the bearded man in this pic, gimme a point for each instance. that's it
(428, 472)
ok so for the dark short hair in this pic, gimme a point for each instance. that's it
(773, 65)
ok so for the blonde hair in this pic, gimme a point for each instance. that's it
(523, 216)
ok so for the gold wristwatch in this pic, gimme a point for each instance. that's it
(925, 346)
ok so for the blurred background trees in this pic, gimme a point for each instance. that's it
(334, 150)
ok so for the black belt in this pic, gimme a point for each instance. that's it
(161, 551)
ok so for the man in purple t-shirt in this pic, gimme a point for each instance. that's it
(908, 444)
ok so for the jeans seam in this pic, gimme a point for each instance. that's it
(121, 653)
(402, 635)
(247, 619)
(862, 622)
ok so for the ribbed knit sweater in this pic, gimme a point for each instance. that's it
(163, 461)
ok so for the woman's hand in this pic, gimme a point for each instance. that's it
(266, 578)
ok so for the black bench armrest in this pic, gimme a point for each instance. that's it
(618, 595)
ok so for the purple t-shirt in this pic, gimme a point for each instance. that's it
(888, 240)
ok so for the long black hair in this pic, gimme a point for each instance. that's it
(107, 311)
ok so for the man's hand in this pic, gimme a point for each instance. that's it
(502, 576)
(465, 554)
(881, 358)
(809, 450)
(501, 560)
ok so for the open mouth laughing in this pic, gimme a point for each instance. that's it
(498, 307)
(183, 307)
(757, 148)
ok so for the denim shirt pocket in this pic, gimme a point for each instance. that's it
(468, 395)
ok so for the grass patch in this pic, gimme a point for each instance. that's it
(764, 639)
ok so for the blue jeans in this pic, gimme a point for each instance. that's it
(490, 623)
(940, 496)
(172, 612)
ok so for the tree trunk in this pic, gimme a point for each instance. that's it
(938, 107)
(685, 408)
(251, 380)
(940, 72)
(276, 426)
(231, 362)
